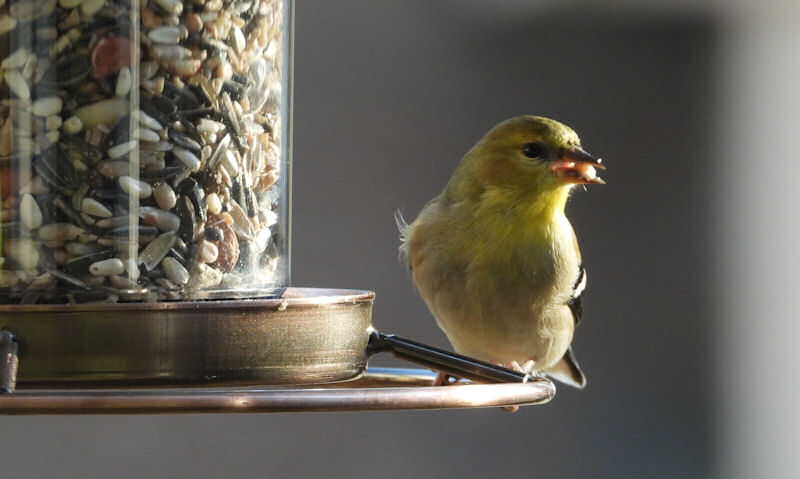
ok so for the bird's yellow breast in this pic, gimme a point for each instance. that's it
(497, 278)
(519, 230)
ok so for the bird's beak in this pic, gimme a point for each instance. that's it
(575, 166)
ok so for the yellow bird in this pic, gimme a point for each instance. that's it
(494, 256)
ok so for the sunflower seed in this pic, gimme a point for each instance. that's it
(161, 146)
(7, 24)
(160, 174)
(157, 250)
(112, 222)
(148, 121)
(184, 67)
(114, 169)
(175, 271)
(81, 249)
(135, 188)
(60, 232)
(185, 210)
(17, 84)
(184, 141)
(169, 34)
(90, 7)
(241, 223)
(171, 6)
(23, 251)
(187, 158)
(228, 161)
(104, 112)
(95, 208)
(165, 196)
(147, 70)
(148, 135)
(107, 267)
(125, 231)
(123, 82)
(80, 265)
(222, 146)
(237, 39)
(29, 212)
(121, 149)
(16, 59)
(163, 220)
(154, 85)
(170, 53)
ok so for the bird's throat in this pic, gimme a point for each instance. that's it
(522, 213)
(549, 205)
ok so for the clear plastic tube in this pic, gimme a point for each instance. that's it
(144, 149)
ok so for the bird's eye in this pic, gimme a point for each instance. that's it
(532, 150)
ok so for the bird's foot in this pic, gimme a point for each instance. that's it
(527, 368)
(443, 379)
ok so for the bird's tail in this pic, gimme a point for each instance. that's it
(402, 227)
(568, 371)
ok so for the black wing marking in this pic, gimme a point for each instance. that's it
(575, 302)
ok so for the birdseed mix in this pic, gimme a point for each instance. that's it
(141, 149)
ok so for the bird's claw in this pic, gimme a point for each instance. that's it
(527, 368)
(443, 379)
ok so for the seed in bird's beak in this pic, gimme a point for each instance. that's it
(577, 167)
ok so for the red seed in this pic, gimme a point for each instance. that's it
(110, 55)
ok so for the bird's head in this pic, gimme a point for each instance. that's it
(533, 154)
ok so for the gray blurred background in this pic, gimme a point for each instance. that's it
(689, 330)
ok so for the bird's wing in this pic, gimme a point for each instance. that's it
(567, 369)
(575, 301)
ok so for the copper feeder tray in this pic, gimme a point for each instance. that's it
(309, 347)
(379, 389)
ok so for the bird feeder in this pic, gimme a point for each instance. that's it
(145, 152)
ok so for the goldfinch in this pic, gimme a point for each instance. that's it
(494, 256)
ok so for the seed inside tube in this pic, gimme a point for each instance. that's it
(16, 59)
(123, 82)
(121, 149)
(30, 214)
(135, 188)
(107, 267)
(206, 87)
(175, 271)
(47, 106)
